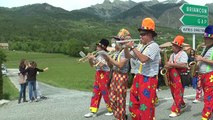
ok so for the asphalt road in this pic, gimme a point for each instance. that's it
(64, 104)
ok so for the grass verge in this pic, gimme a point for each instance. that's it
(9, 90)
(64, 71)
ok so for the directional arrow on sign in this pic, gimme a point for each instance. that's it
(194, 20)
(195, 17)
(194, 9)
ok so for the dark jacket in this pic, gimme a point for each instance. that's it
(31, 73)
(22, 69)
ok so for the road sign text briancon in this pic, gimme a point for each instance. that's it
(194, 19)
(194, 15)
(194, 10)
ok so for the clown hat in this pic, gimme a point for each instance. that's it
(148, 25)
(123, 34)
(178, 40)
(209, 31)
(103, 43)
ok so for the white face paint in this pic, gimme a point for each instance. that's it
(113, 45)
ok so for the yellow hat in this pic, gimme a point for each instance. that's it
(123, 34)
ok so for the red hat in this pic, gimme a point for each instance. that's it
(123, 34)
(148, 25)
(178, 40)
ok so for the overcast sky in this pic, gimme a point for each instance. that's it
(76, 4)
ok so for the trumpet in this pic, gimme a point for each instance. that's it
(131, 40)
(95, 53)
(111, 53)
(85, 57)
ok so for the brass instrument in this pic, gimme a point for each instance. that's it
(111, 53)
(193, 65)
(131, 40)
(164, 71)
(95, 53)
(85, 57)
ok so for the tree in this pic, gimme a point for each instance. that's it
(74, 47)
(2, 59)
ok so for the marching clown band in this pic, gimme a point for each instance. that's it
(144, 60)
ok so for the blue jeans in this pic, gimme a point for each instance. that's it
(22, 92)
(32, 89)
(194, 82)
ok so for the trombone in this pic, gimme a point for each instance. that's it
(131, 40)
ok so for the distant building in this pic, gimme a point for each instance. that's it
(4, 45)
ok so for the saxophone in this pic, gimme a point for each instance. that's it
(164, 71)
(193, 65)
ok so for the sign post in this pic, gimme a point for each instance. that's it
(193, 40)
(194, 20)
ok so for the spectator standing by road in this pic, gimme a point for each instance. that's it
(22, 80)
(31, 79)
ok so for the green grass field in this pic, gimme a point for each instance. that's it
(9, 90)
(64, 71)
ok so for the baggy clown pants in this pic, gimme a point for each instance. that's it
(207, 84)
(177, 90)
(117, 94)
(142, 98)
(100, 88)
(198, 89)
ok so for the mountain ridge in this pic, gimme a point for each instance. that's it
(45, 28)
